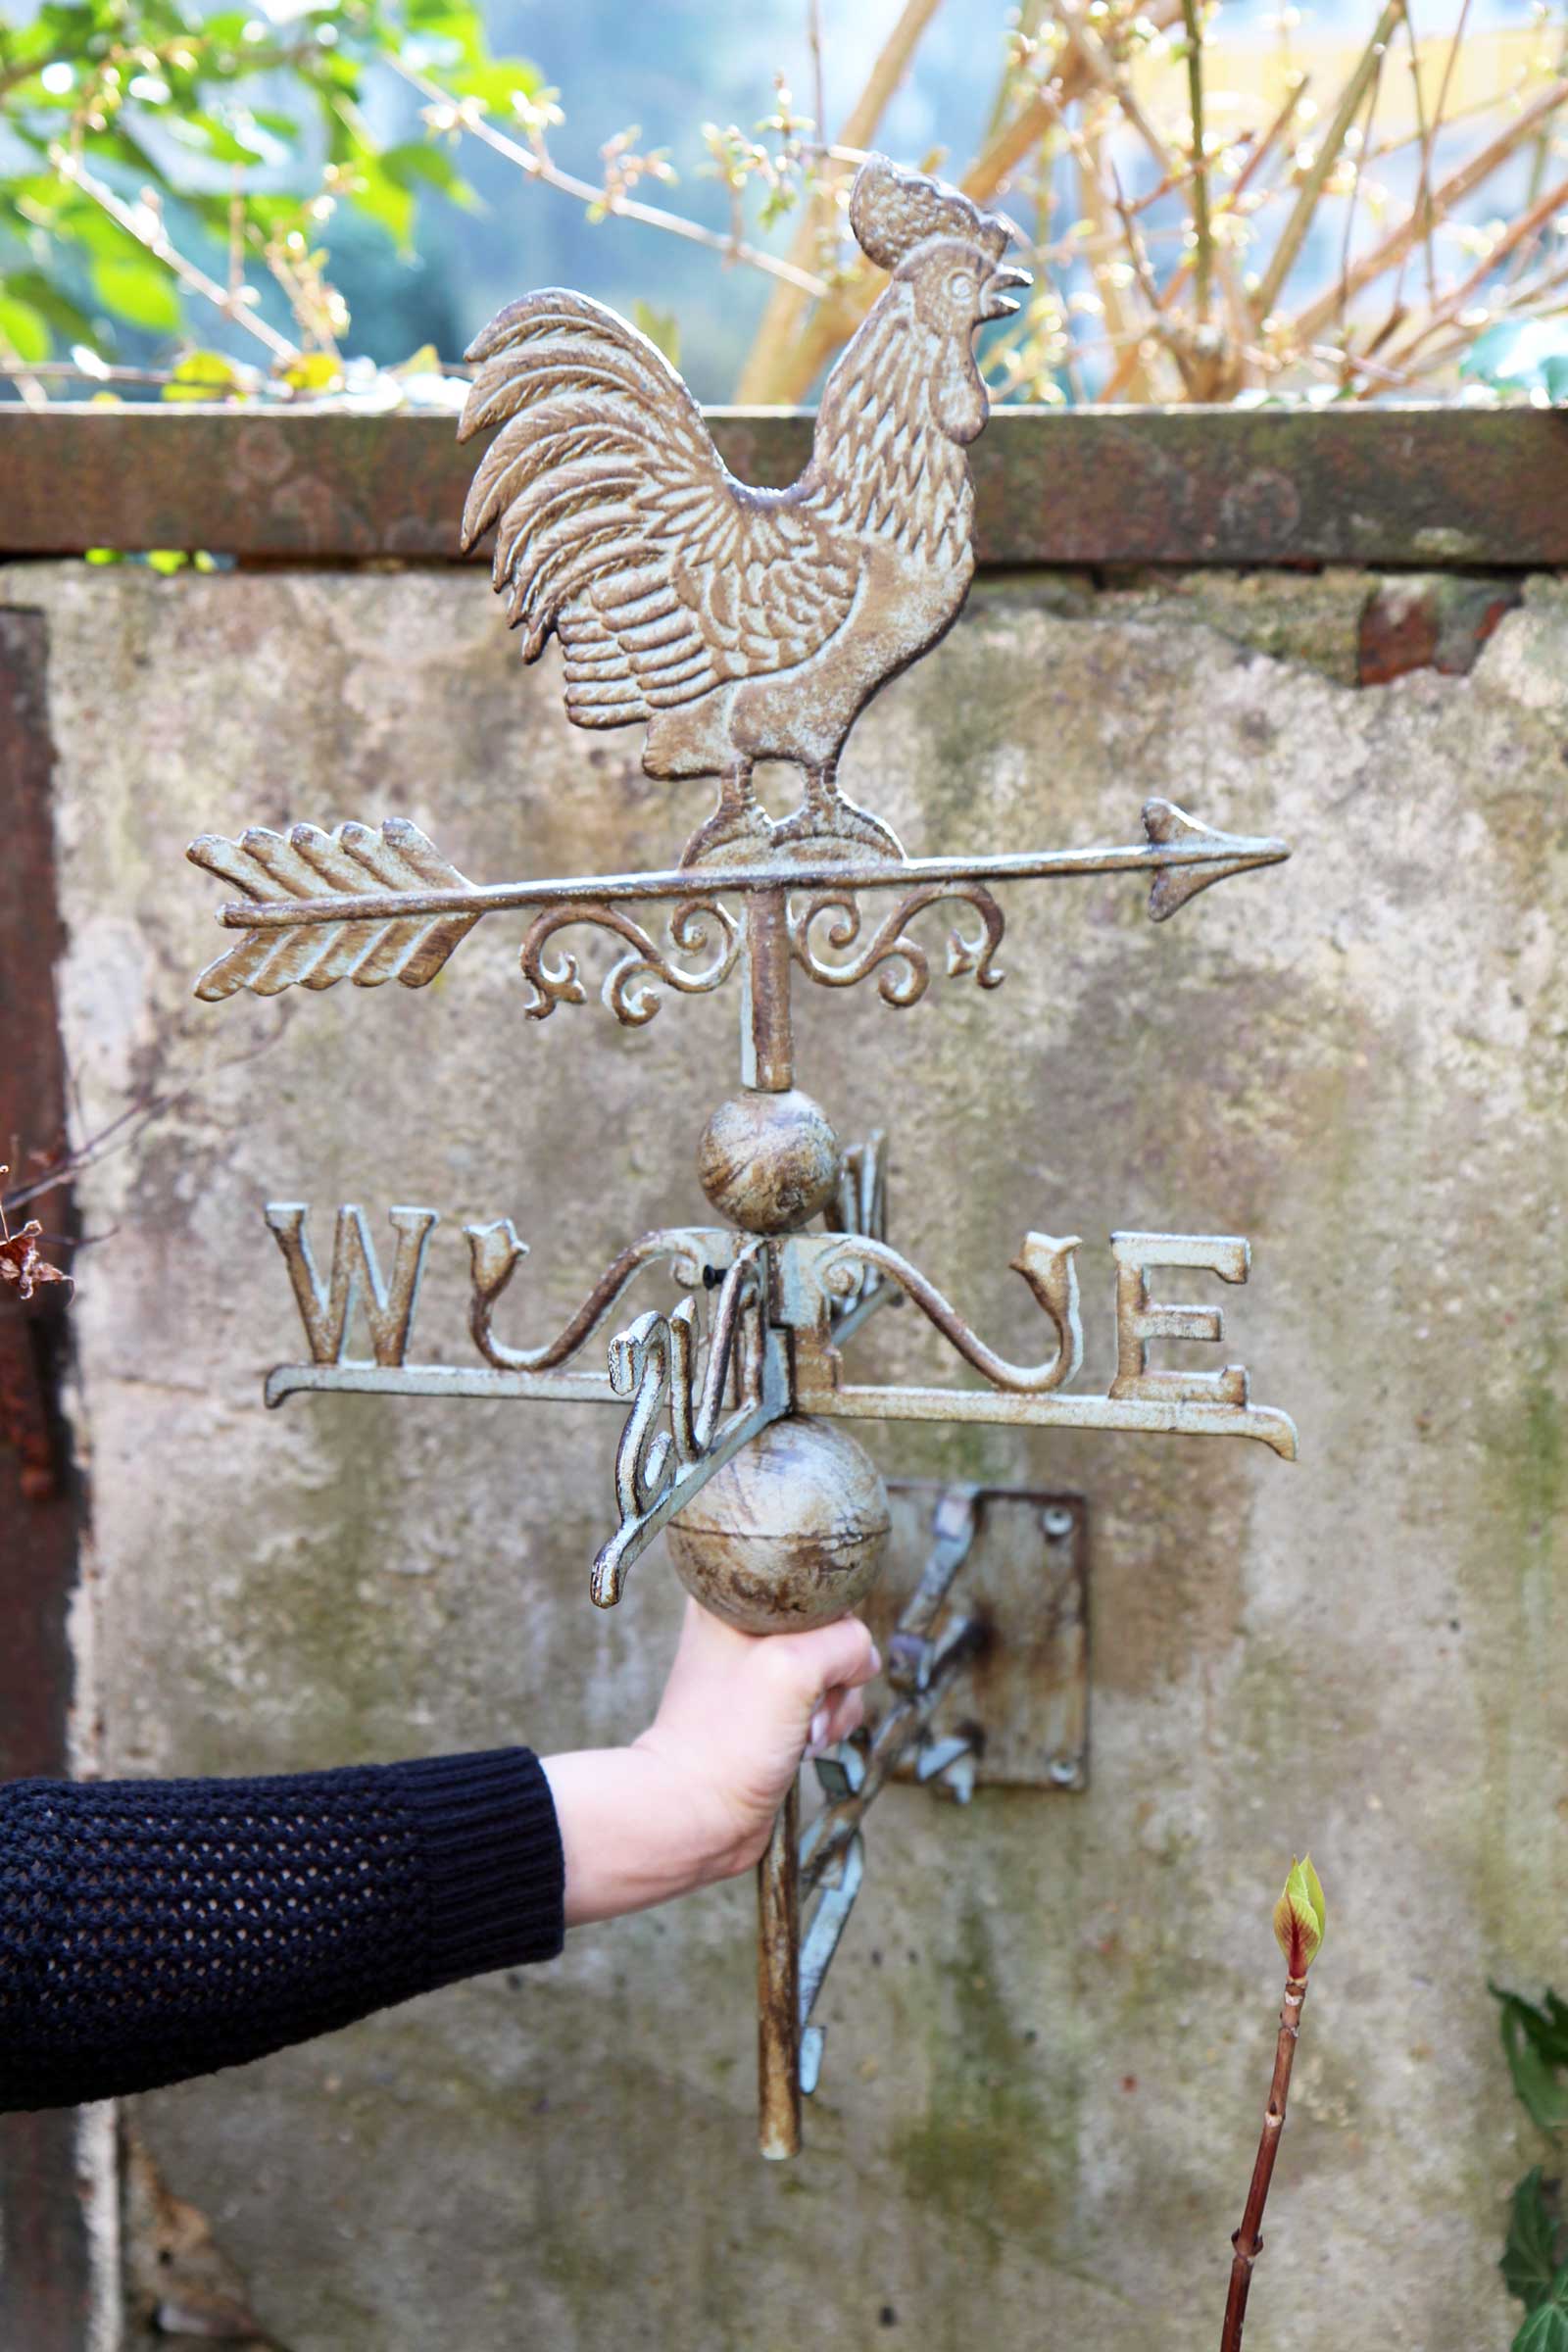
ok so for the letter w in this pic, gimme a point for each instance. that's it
(326, 1309)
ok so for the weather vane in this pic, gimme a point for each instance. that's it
(738, 625)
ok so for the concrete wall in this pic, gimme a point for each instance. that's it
(1053, 2020)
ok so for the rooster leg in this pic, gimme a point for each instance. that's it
(738, 829)
(828, 822)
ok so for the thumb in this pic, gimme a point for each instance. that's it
(830, 1657)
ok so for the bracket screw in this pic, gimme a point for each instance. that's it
(1058, 1522)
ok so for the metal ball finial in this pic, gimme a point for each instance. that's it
(789, 1534)
(768, 1163)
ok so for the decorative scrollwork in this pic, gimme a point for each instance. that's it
(1049, 1268)
(640, 1365)
(860, 1208)
(693, 1252)
(628, 987)
(655, 1363)
(831, 920)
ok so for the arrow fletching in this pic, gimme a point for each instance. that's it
(324, 949)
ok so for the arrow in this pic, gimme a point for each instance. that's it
(393, 908)
(285, 878)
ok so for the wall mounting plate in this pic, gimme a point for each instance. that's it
(1026, 1579)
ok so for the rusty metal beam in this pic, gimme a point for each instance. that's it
(1429, 487)
(45, 2277)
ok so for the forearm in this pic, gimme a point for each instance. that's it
(155, 1930)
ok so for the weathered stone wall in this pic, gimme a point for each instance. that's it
(1051, 2023)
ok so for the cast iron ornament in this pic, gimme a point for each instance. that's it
(737, 625)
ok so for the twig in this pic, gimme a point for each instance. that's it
(1453, 191)
(134, 222)
(788, 350)
(1249, 2240)
(1102, 70)
(23, 374)
(1519, 234)
(779, 329)
(70, 1163)
(540, 166)
(101, 373)
(1356, 181)
(1127, 365)
(1001, 154)
(1298, 1923)
(1283, 259)
(1204, 255)
(1429, 141)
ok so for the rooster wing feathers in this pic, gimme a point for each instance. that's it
(619, 527)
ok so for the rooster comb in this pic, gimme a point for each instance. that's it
(892, 212)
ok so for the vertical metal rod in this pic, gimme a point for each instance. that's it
(778, 1984)
(768, 1048)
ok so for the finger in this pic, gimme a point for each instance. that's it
(830, 1657)
(842, 1712)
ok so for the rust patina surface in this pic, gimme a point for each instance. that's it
(1420, 486)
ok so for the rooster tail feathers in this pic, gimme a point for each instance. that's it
(892, 212)
(592, 419)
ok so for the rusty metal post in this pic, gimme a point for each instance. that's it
(767, 1050)
(778, 1984)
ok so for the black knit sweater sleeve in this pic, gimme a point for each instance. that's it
(152, 1929)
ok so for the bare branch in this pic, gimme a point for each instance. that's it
(538, 165)
(1374, 86)
(1204, 258)
(780, 325)
(1453, 191)
(1518, 237)
(1429, 141)
(147, 227)
(1282, 257)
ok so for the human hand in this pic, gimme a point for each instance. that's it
(693, 1799)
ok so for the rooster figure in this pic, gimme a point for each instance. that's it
(740, 624)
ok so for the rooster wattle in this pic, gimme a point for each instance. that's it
(740, 625)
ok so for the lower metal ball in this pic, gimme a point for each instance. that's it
(789, 1534)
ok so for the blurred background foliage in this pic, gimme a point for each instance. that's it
(300, 199)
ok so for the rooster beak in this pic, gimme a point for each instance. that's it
(998, 303)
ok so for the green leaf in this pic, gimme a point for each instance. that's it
(416, 162)
(23, 328)
(166, 560)
(226, 142)
(313, 371)
(1545, 2331)
(102, 237)
(380, 197)
(1529, 2260)
(203, 375)
(496, 81)
(459, 27)
(40, 293)
(141, 291)
(1534, 2042)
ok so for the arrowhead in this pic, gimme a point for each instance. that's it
(1224, 853)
